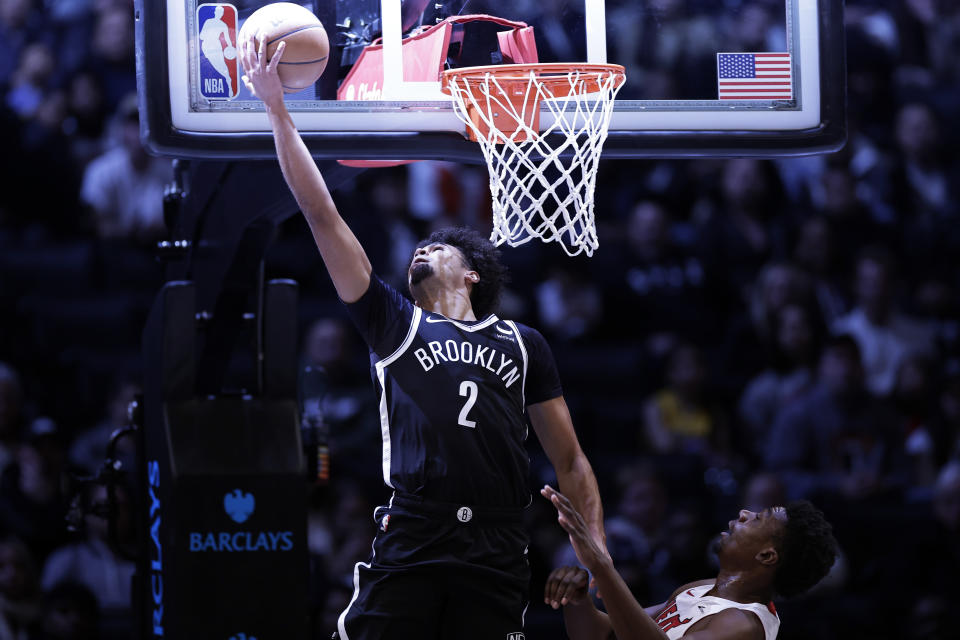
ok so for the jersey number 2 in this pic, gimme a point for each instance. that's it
(468, 390)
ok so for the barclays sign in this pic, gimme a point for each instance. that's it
(239, 506)
(242, 541)
(156, 556)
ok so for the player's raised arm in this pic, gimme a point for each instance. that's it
(628, 620)
(554, 427)
(342, 254)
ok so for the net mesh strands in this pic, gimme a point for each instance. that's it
(542, 182)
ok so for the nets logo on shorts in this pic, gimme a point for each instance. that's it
(516, 635)
(217, 59)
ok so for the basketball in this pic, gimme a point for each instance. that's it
(305, 56)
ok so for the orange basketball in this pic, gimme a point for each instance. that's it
(307, 50)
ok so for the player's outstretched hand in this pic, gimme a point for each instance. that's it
(590, 554)
(260, 76)
(566, 585)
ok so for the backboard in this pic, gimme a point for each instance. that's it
(704, 77)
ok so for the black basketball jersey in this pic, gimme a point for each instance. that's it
(452, 397)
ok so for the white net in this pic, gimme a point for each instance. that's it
(542, 182)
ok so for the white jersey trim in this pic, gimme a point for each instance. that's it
(381, 367)
(356, 588)
(466, 327)
(695, 605)
(523, 353)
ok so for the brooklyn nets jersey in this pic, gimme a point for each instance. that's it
(452, 397)
(691, 605)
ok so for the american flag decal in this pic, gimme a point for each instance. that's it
(754, 76)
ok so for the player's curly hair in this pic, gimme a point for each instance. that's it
(807, 550)
(481, 257)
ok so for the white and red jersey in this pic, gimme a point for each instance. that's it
(691, 605)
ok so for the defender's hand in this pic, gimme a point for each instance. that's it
(589, 552)
(262, 78)
(566, 585)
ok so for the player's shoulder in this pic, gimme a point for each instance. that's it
(731, 623)
(527, 332)
(691, 585)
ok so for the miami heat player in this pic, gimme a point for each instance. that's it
(781, 551)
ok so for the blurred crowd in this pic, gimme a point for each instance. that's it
(749, 332)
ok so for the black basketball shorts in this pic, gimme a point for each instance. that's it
(440, 571)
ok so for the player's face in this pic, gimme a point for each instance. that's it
(751, 533)
(437, 260)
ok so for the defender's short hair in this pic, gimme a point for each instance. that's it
(482, 257)
(807, 550)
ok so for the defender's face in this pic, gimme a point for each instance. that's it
(437, 260)
(752, 532)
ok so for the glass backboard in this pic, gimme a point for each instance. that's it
(704, 77)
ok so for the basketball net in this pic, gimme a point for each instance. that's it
(542, 182)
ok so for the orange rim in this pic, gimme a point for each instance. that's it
(513, 80)
(549, 73)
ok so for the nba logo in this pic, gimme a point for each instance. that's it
(217, 40)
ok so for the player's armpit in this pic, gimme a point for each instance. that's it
(729, 624)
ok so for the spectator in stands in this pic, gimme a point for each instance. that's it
(69, 612)
(11, 414)
(790, 373)
(112, 52)
(752, 334)
(837, 440)
(665, 289)
(92, 562)
(924, 180)
(743, 230)
(946, 505)
(948, 416)
(660, 44)
(937, 303)
(47, 154)
(777, 285)
(884, 334)
(89, 448)
(850, 219)
(19, 590)
(86, 116)
(816, 253)
(32, 502)
(124, 187)
(569, 306)
(19, 25)
(935, 565)
(913, 397)
(30, 79)
(681, 418)
(340, 394)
